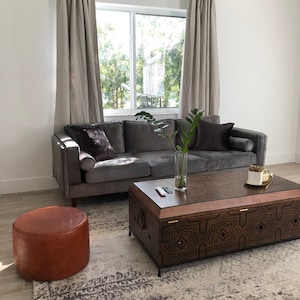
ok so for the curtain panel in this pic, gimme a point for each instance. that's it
(200, 87)
(78, 89)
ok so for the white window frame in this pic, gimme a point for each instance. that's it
(133, 10)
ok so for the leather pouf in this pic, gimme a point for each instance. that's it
(51, 243)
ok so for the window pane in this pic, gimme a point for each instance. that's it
(140, 67)
(113, 40)
(159, 50)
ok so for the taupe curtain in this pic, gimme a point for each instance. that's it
(200, 86)
(78, 94)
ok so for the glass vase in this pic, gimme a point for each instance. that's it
(180, 171)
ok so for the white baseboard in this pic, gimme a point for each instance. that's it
(27, 185)
(279, 158)
(298, 157)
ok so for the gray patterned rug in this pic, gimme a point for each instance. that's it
(120, 269)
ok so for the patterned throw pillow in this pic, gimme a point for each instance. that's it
(94, 142)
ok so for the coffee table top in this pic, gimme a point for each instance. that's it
(212, 191)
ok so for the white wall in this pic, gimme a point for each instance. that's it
(259, 72)
(259, 43)
(298, 138)
(27, 93)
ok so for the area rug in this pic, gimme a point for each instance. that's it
(119, 268)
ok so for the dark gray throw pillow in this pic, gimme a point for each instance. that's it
(94, 142)
(213, 137)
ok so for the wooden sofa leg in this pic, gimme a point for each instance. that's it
(74, 202)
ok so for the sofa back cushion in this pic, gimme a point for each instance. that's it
(140, 136)
(113, 131)
(215, 119)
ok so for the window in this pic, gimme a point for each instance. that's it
(140, 54)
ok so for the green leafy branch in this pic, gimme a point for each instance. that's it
(186, 135)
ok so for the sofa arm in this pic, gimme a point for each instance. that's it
(259, 139)
(66, 165)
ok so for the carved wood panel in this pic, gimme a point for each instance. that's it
(228, 231)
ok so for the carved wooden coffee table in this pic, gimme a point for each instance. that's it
(217, 214)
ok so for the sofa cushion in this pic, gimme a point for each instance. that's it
(125, 166)
(94, 142)
(140, 137)
(218, 160)
(162, 163)
(242, 144)
(113, 131)
(180, 126)
(212, 137)
(215, 119)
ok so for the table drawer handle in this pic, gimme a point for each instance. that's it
(172, 221)
(243, 209)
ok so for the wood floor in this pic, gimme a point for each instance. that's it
(13, 205)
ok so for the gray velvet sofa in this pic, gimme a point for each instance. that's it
(140, 154)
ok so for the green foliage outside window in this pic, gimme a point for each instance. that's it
(156, 55)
